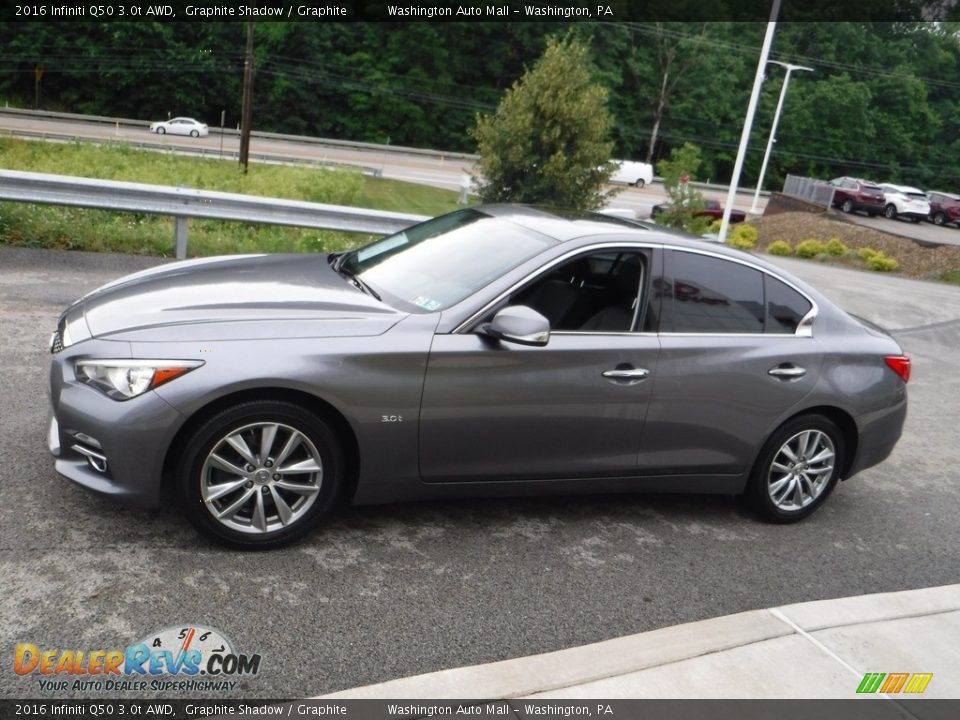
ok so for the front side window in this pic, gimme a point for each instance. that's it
(597, 293)
(705, 294)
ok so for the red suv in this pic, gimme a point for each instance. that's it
(853, 194)
(944, 208)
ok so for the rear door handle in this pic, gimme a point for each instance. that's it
(626, 375)
(787, 371)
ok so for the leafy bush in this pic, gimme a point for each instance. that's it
(810, 249)
(882, 263)
(780, 247)
(867, 253)
(836, 248)
(747, 233)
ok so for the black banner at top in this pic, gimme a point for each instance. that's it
(478, 11)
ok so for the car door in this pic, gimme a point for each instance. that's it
(737, 355)
(575, 408)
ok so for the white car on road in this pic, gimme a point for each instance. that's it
(180, 126)
(904, 201)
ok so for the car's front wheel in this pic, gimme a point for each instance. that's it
(797, 469)
(847, 206)
(939, 218)
(194, 133)
(161, 130)
(639, 183)
(260, 474)
(890, 212)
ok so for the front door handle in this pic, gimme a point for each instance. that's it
(626, 374)
(787, 371)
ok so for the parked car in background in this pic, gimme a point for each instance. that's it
(711, 208)
(637, 174)
(856, 195)
(944, 208)
(497, 350)
(905, 201)
(180, 126)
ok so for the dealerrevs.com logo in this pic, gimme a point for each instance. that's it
(199, 658)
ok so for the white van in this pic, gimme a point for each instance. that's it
(633, 173)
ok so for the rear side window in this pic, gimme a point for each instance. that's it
(785, 307)
(711, 295)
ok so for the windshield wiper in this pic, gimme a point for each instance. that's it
(354, 278)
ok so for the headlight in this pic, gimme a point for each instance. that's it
(125, 379)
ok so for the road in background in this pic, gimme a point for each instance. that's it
(385, 592)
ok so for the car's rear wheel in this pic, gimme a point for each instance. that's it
(161, 131)
(890, 212)
(639, 183)
(847, 206)
(194, 133)
(797, 469)
(260, 474)
(939, 218)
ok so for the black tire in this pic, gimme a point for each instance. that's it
(766, 480)
(939, 218)
(890, 212)
(161, 131)
(639, 183)
(847, 206)
(194, 133)
(266, 491)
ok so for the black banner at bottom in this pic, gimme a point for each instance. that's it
(877, 708)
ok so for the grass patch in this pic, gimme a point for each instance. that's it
(951, 276)
(54, 226)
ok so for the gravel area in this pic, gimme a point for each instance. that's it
(916, 260)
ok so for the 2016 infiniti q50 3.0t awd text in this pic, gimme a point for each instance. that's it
(500, 350)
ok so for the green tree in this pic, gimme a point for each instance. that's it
(685, 201)
(548, 141)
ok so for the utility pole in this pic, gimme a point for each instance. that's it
(773, 128)
(247, 114)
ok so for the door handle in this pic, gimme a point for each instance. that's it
(626, 375)
(787, 371)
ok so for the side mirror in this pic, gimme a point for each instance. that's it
(519, 324)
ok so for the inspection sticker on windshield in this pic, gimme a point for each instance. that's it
(426, 303)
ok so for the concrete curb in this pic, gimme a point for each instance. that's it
(607, 669)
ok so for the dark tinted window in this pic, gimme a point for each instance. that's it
(785, 307)
(711, 295)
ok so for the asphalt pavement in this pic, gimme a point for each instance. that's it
(387, 592)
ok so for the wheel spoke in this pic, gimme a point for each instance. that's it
(788, 451)
(215, 492)
(233, 508)
(797, 498)
(297, 487)
(777, 486)
(791, 481)
(821, 457)
(267, 435)
(237, 442)
(283, 510)
(304, 466)
(226, 465)
(292, 443)
(259, 519)
(820, 471)
(780, 467)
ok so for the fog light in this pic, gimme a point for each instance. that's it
(98, 461)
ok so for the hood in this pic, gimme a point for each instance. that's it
(202, 297)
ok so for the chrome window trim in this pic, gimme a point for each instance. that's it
(804, 327)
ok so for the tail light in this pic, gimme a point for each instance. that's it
(900, 364)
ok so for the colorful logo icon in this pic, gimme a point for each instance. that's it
(893, 683)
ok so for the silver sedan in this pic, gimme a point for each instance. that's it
(499, 350)
(180, 126)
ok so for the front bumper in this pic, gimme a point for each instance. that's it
(113, 448)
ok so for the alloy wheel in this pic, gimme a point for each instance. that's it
(801, 470)
(261, 477)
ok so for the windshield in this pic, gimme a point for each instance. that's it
(438, 263)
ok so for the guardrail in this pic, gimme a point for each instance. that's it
(811, 190)
(183, 203)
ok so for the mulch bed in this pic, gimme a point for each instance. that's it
(916, 261)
